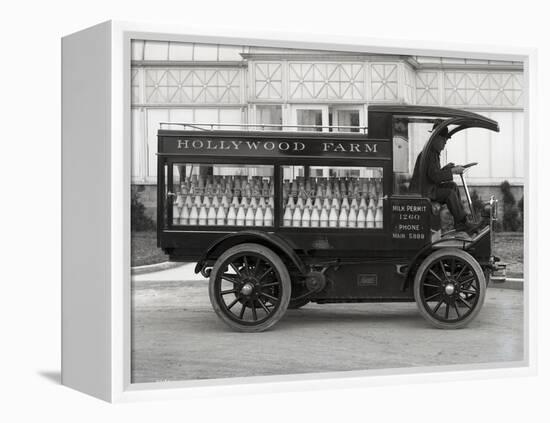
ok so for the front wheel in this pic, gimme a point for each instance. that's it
(249, 287)
(449, 288)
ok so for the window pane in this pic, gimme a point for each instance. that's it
(401, 166)
(231, 116)
(348, 118)
(270, 115)
(410, 134)
(309, 118)
(223, 195)
(336, 197)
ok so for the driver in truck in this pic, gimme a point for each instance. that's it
(439, 181)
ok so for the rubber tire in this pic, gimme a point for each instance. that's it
(481, 282)
(285, 286)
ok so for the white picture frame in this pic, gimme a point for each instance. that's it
(96, 143)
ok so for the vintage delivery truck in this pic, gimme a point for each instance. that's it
(277, 217)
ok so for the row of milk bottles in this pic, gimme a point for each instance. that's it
(224, 201)
(332, 187)
(229, 186)
(336, 203)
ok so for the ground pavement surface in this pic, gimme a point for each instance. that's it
(177, 336)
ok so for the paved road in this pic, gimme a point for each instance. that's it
(177, 335)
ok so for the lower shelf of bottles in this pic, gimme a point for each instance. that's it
(325, 218)
(337, 213)
(206, 211)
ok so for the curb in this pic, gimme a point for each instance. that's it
(157, 267)
(509, 283)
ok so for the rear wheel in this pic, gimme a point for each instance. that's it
(449, 288)
(249, 287)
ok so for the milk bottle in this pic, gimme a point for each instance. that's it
(202, 216)
(268, 217)
(179, 200)
(225, 202)
(343, 219)
(184, 216)
(323, 218)
(379, 218)
(318, 203)
(215, 202)
(175, 214)
(345, 203)
(259, 217)
(333, 218)
(290, 203)
(212, 215)
(249, 219)
(352, 218)
(231, 216)
(287, 218)
(361, 218)
(240, 216)
(220, 216)
(193, 215)
(198, 201)
(297, 217)
(314, 219)
(305, 217)
(370, 218)
(189, 201)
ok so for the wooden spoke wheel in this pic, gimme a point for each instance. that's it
(449, 288)
(249, 287)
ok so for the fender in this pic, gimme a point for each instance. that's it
(268, 239)
(454, 242)
(424, 252)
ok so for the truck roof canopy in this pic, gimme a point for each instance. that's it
(444, 112)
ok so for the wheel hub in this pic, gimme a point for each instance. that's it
(450, 289)
(247, 289)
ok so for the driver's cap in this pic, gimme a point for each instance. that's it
(444, 132)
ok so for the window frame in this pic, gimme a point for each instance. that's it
(387, 182)
(278, 211)
(317, 107)
(334, 109)
(169, 199)
(257, 116)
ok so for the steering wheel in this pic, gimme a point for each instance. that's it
(466, 166)
(469, 165)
